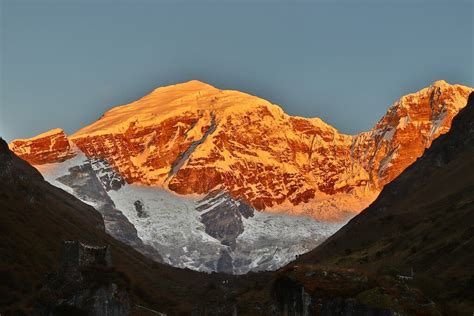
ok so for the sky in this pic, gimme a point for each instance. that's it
(64, 63)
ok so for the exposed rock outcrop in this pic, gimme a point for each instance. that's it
(222, 216)
(49, 147)
(86, 284)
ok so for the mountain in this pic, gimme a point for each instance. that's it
(421, 225)
(193, 138)
(208, 160)
(421, 222)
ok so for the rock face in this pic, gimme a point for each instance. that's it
(222, 217)
(49, 147)
(408, 128)
(195, 138)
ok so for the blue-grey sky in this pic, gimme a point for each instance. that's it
(63, 63)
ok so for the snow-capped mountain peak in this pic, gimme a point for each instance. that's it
(193, 138)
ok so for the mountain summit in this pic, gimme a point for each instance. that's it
(193, 138)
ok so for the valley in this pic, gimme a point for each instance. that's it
(363, 267)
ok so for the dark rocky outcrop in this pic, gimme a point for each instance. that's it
(292, 299)
(139, 208)
(86, 284)
(222, 216)
(83, 181)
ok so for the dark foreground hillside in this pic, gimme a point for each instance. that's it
(423, 222)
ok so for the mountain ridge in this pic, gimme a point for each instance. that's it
(255, 151)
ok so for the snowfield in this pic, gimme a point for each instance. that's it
(173, 227)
